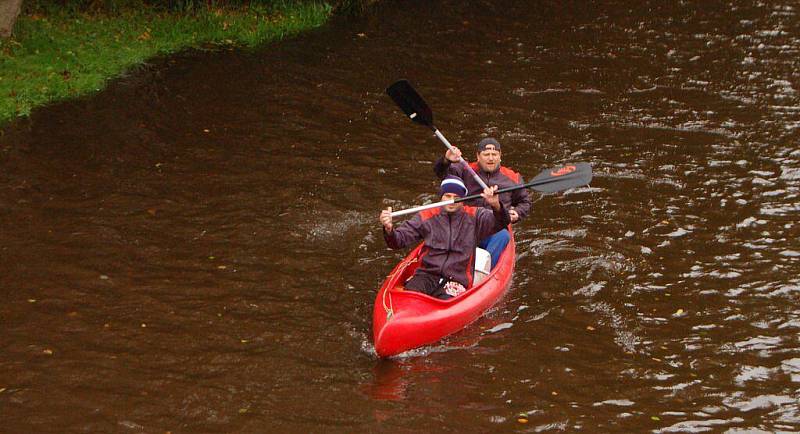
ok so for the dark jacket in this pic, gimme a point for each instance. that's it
(450, 239)
(503, 177)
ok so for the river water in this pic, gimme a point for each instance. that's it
(196, 248)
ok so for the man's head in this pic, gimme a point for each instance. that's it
(488, 155)
(452, 187)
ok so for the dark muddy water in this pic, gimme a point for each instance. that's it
(196, 249)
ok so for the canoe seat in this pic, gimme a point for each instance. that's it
(483, 265)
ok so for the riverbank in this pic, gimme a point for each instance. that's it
(61, 53)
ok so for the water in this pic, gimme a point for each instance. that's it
(197, 247)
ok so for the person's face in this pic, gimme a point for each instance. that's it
(453, 206)
(489, 159)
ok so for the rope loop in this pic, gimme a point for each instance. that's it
(390, 308)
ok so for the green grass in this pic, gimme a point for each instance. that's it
(58, 54)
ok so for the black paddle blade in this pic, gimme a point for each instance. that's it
(410, 102)
(562, 178)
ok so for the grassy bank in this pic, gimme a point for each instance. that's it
(61, 52)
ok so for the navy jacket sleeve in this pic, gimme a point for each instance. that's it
(491, 221)
(444, 167)
(405, 234)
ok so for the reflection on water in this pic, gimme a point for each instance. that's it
(197, 248)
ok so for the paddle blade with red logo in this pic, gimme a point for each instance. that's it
(562, 178)
(412, 104)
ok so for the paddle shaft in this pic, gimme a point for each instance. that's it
(531, 184)
(412, 104)
(422, 208)
(460, 159)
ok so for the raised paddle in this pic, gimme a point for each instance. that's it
(549, 181)
(415, 108)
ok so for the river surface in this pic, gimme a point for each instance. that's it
(196, 248)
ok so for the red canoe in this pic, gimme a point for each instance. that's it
(403, 320)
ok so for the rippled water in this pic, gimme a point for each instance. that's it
(196, 249)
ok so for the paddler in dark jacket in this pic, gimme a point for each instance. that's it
(450, 234)
(489, 169)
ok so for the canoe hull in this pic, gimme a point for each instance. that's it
(404, 320)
